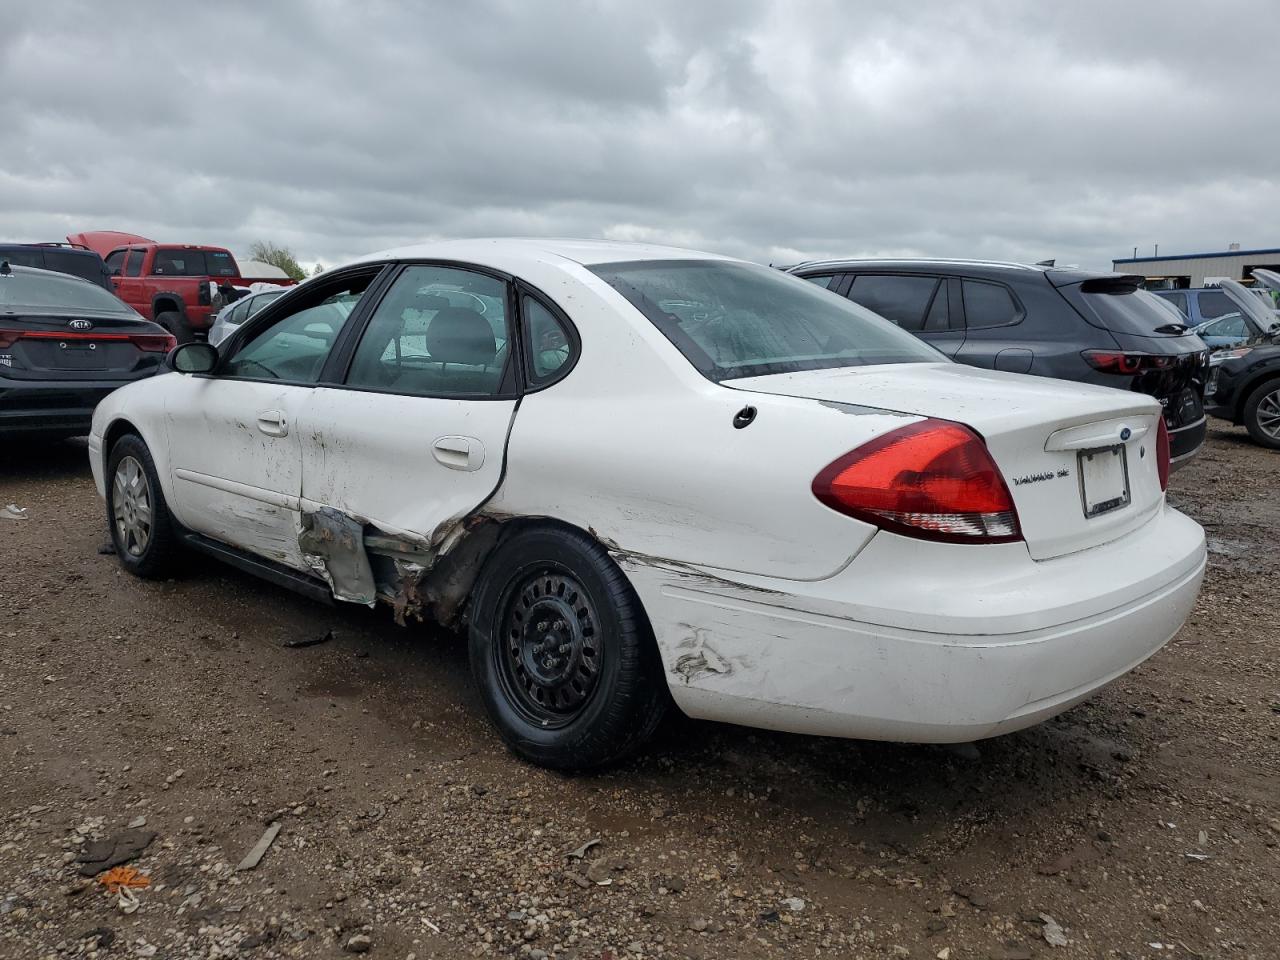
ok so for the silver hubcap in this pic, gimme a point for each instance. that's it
(131, 501)
(1269, 415)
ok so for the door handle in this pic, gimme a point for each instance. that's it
(458, 453)
(273, 423)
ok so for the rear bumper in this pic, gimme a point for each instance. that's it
(1185, 442)
(50, 407)
(920, 644)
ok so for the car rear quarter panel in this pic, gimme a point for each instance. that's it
(638, 448)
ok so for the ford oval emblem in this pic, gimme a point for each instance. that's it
(80, 324)
(1125, 433)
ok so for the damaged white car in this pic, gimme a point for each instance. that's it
(642, 475)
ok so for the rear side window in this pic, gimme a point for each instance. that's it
(902, 299)
(1179, 300)
(732, 319)
(438, 332)
(988, 305)
(1214, 303)
(550, 344)
(823, 281)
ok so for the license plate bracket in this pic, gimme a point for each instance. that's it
(1104, 479)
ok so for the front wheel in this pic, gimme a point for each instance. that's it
(1262, 414)
(141, 529)
(563, 653)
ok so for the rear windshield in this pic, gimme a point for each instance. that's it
(194, 263)
(734, 319)
(48, 292)
(1133, 311)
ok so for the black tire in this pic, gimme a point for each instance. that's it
(177, 324)
(153, 557)
(1260, 410)
(602, 689)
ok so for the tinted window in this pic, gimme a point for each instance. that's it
(23, 258)
(1179, 300)
(823, 281)
(114, 261)
(1214, 303)
(133, 265)
(939, 316)
(56, 292)
(988, 305)
(178, 262)
(295, 347)
(903, 300)
(550, 345)
(734, 319)
(1126, 309)
(439, 332)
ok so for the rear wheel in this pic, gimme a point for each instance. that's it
(563, 653)
(1262, 414)
(177, 324)
(141, 529)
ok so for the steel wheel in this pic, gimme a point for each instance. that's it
(549, 661)
(131, 506)
(1268, 414)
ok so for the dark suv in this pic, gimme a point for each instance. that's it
(61, 257)
(1074, 324)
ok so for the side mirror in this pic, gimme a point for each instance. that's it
(193, 357)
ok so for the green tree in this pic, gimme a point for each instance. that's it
(281, 257)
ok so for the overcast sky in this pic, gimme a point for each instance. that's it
(774, 131)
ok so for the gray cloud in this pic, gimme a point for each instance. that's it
(771, 130)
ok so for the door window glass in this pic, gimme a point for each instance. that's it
(550, 345)
(114, 261)
(988, 305)
(902, 299)
(822, 281)
(1214, 303)
(939, 316)
(1179, 300)
(295, 347)
(439, 332)
(1229, 326)
(133, 266)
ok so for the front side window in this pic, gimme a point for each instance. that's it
(902, 299)
(733, 319)
(988, 305)
(1231, 325)
(295, 347)
(133, 266)
(438, 332)
(114, 261)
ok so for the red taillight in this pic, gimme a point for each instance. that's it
(1126, 364)
(147, 342)
(933, 479)
(1162, 454)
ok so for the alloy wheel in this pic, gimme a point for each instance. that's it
(131, 506)
(1268, 414)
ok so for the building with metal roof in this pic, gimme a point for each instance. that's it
(1185, 270)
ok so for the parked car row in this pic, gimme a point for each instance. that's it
(643, 477)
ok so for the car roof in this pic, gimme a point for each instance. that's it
(982, 269)
(61, 248)
(509, 253)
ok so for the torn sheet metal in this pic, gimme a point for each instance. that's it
(332, 544)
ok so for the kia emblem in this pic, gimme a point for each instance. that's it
(80, 324)
(1125, 433)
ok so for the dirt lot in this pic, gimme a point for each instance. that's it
(1145, 823)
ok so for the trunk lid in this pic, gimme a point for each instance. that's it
(1079, 460)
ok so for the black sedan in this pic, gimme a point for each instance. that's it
(64, 345)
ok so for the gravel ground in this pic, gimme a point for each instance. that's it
(1145, 823)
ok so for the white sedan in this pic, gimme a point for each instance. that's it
(642, 475)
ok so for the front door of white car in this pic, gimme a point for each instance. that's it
(415, 435)
(235, 450)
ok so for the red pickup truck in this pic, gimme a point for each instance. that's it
(176, 285)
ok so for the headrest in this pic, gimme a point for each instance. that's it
(459, 335)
